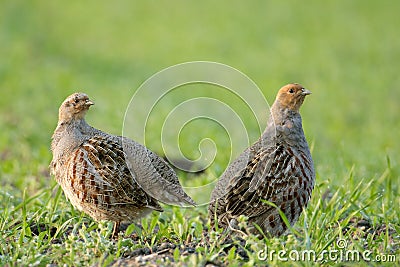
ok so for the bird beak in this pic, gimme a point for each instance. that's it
(89, 103)
(306, 92)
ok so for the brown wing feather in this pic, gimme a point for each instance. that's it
(98, 175)
(274, 175)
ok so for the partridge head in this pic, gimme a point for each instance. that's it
(74, 107)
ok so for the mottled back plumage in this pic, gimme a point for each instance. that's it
(109, 177)
(277, 168)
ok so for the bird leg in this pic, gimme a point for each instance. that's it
(115, 230)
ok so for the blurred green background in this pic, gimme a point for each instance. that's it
(346, 52)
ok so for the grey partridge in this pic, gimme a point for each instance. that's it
(109, 177)
(277, 168)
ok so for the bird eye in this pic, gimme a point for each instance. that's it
(291, 90)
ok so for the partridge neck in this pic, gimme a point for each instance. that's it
(280, 115)
(284, 124)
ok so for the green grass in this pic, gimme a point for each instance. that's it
(346, 52)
